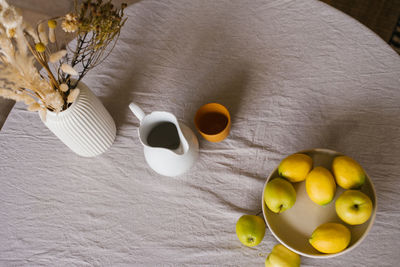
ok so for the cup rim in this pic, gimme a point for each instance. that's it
(226, 114)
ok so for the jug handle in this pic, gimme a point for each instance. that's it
(137, 111)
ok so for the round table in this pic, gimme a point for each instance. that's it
(294, 75)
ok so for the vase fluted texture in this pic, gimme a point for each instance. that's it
(85, 127)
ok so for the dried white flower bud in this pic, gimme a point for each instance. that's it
(56, 56)
(64, 87)
(34, 107)
(52, 35)
(42, 34)
(10, 18)
(55, 100)
(73, 95)
(6, 93)
(68, 69)
(43, 113)
(31, 32)
(11, 32)
(70, 23)
(28, 100)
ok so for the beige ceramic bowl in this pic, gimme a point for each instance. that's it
(293, 227)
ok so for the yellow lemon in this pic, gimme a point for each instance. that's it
(320, 186)
(330, 238)
(295, 167)
(348, 173)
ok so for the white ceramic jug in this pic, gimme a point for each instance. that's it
(166, 161)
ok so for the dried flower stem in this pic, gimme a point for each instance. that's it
(42, 61)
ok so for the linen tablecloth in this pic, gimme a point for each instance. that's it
(294, 75)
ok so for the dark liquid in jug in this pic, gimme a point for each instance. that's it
(164, 135)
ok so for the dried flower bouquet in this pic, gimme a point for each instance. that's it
(96, 24)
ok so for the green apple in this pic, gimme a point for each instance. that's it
(250, 230)
(353, 207)
(279, 195)
(281, 256)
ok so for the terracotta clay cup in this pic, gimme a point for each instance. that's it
(213, 121)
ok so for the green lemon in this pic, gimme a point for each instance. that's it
(250, 230)
(295, 167)
(320, 186)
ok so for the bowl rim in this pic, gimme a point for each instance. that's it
(330, 255)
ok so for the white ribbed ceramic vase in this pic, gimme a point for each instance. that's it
(85, 127)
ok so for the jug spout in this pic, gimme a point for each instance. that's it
(137, 111)
(173, 162)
